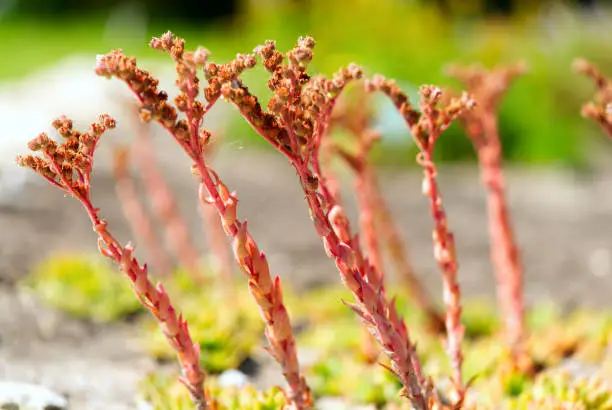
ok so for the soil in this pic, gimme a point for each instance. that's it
(562, 221)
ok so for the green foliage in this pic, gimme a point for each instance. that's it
(355, 380)
(222, 319)
(84, 286)
(560, 391)
(344, 361)
(165, 393)
(480, 318)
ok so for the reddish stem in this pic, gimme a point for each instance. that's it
(504, 251)
(444, 253)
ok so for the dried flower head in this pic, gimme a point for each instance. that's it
(487, 86)
(600, 109)
(69, 164)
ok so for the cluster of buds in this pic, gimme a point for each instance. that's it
(481, 125)
(300, 105)
(68, 166)
(483, 82)
(154, 104)
(154, 101)
(599, 110)
(488, 88)
(426, 126)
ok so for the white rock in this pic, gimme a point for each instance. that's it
(338, 403)
(25, 396)
(233, 378)
(142, 404)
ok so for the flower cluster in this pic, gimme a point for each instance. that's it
(600, 110)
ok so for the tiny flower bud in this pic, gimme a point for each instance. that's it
(100, 67)
(181, 130)
(146, 114)
(426, 186)
(281, 327)
(347, 255)
(262, 301)
(107, 121)
(327, 247)
(200, 56)
(211, 70)
(229, 216)
(348, 277)
(339, 223)
(262, 269)
(369, 297)
(39, 143)
(239, 244)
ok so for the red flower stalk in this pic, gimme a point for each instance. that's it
(481, 126)
(164, 203)
(68, 166)
(136, 214)
(375, 216)
(193, 139)
(298, 116)
(426, 127)
(599, 110)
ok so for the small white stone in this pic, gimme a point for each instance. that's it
(338, 403)
(142, 404)
(25, 396)
(600, 262)
(233, 378)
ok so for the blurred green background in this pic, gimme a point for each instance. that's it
(411, 41)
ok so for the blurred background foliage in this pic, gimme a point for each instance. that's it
(409, 40)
